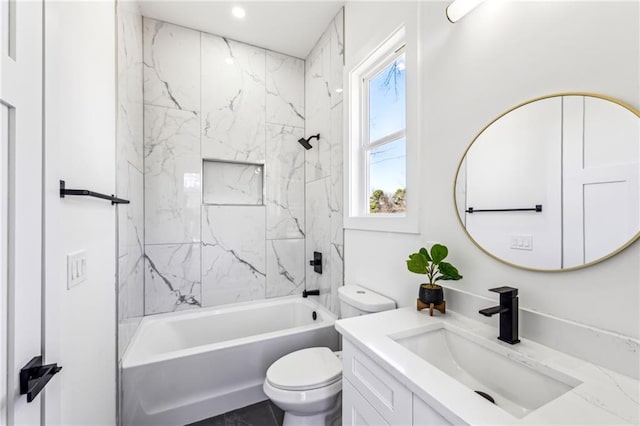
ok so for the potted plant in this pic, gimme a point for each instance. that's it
(432, 264)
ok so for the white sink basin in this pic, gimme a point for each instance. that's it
(518, 384)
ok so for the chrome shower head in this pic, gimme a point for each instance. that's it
(305, 142)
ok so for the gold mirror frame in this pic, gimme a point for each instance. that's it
(464, 155)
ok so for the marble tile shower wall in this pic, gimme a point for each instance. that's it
(323, 165)
(130, 174)
(207, 97)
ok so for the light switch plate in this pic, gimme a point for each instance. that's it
(522, 242)
(76, 268)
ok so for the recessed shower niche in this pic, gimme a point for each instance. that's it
(231, 183)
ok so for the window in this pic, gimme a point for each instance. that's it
(382, 158)
(384, 136)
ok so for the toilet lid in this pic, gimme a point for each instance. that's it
(305, 369)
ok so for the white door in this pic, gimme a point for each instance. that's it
(21, 203)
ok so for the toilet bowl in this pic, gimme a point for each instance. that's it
(307, 384)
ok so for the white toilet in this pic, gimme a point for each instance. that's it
(307, 384)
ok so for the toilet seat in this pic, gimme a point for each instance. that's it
(307, 402)
(306, 369)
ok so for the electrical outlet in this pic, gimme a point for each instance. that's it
(76, 268)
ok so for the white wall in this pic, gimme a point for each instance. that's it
(80, 145)
(500, 55)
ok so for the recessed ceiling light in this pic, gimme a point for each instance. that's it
(238, 12)
(339, 90)
(229, 61)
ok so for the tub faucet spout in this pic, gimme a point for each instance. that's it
(508, 310)
(306, 293)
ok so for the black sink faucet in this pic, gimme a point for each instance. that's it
(508, 311)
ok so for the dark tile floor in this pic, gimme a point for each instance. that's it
(263, 413)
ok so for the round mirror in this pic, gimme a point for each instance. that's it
(554, 183)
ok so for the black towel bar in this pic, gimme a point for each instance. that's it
(537, 208)
(83, 192)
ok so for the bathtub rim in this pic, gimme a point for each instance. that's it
(328, 319)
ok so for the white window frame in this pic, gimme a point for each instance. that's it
(356, 212)
(366, 145)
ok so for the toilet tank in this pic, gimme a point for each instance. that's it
(356, 300)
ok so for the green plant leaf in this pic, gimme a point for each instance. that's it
(448, 271)
(438, 253)
(417, 263)
(423, 251)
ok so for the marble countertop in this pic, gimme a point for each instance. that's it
(603, 397)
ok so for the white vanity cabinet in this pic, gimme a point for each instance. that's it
(424, 415)
(356, 411)
(371, 396)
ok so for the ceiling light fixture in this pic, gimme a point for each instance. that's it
(238, 12)
(229, 61)
(459, 8)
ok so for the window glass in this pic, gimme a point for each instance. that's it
(387, 100)
(387, 177)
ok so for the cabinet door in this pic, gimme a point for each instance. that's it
(424, 415)
(390, 397)
(356, 411)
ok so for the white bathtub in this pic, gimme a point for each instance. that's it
(187, 366)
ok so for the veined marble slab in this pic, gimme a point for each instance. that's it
(233, 100)
(285, 90)
(130, 237)
(336, 199)
(171, 66)
(317, 109)
(172, 277)
(323, 165)
(172, 176)
(285, 189)
(233, 254)
(337, 276)
(130, 97)
(318, 238)
(337, 58)
(129, 173)
(285, 267)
